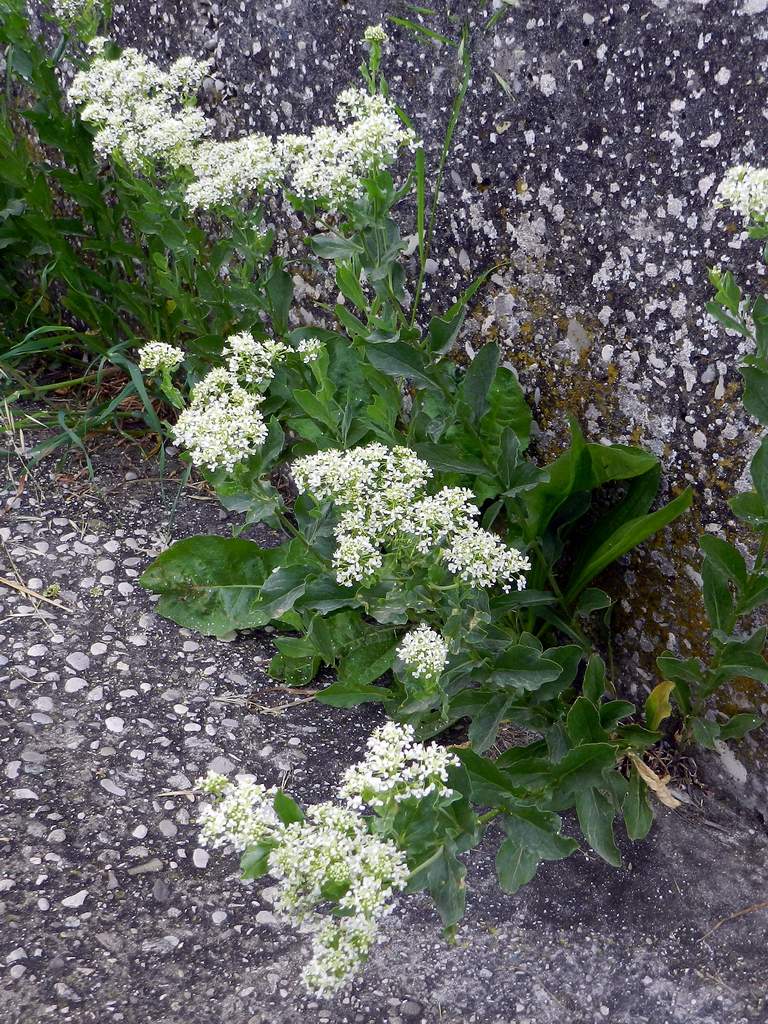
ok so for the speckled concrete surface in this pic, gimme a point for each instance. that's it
(111, 912)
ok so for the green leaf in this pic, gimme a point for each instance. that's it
(401, 360)
(718, 600)
(593, 686)
(657, 705)
(755, 397)
(335, 247)
(507, 410)
(705, 732)
(448, 458)
(347, 695)
(373, 656)
(592, 600)
(580, 769)
(596, 813)
(725, 558)
(759, 470)
(612, 712)
(638, 816)
(286, 808)
(736, 659)
(627, 537)
(211, 584)
(254, 863)
(443, 876)
(515, 866)
(583, 723)
(739, 725)
(478, 378)
(486, 721)
(488, 784)
(524, 668)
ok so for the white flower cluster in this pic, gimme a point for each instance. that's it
(377, 492)
(329, 856)
(328, 166)
(745, 190)
(309, 349)
(241, 815)
(375, 34)
(250, 360)
(226, 172)
(142, 114)
(158, 355)
(397, 768)
(223, 424)
(424, 653)
(68, 12)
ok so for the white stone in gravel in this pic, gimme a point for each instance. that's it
(98, 648)
(221, 764)
(77, 899)
(37, 651)
(16, 954)
(97, 693)
(24, 794)
(43, 903)
(219, 916)
(125, 589)
(139, 832)
(200, 858)
(44, 704)
(57, 836)
(191, 645)
(17, 971)
(74, 684)
(138, 639)
(112, 787)
(12, 769)
(266, 917)
(105, 565)
(78, 661)
(114, 724)
(167, 828)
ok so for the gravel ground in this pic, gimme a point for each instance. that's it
(113, 913)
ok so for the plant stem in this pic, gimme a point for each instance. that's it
(488, 816)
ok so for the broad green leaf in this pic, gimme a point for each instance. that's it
(538, 831)
(580, 769)
(612, 712)
(369, 660)
(449, 459)
(286, 808)
(340, 695)
(335, 247)
(627, 537)
(401, 360)
(515, 866)
(583, 723)
(507, 410)
(486, 721)
(759, 471)
(737, 659)
(524, 668)
(596, 813)
(718, 600)
(724, 557)
(592, 600)
(593, 686)
(657, 705)
(755, 397)
(254, 863)
(705, 732)
(739, 725)
(443, 876)
(638, 816)
(211, 584)
(478, 378)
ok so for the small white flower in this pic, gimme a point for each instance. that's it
(745, 190)
(252, 361)
(143, 115)
(424, 653)
(376, 34)
(68, 12)
(396, 768)
(223, 424)
(226, 172)
(241, 815)
(158, 355)
(309, 349)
